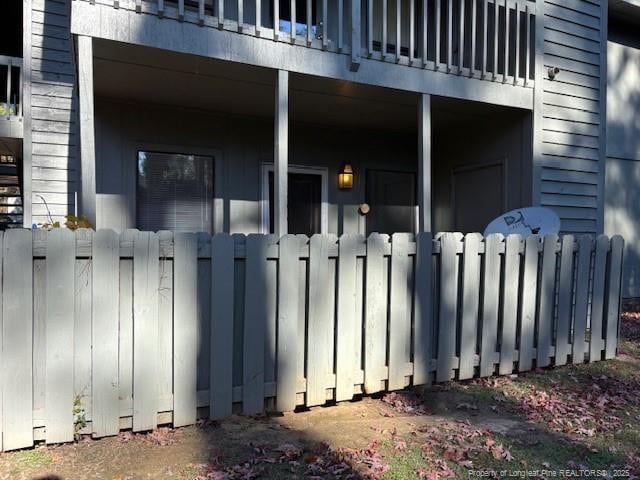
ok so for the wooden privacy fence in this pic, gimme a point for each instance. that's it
(137, 329)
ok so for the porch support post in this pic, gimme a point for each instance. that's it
(281, 154)
(424, 163)
(87, 131)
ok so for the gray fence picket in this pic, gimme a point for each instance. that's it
(222, 295)
(165, 318)
(510, 304)
(185, 328)
(547, 301)
(375, 313)
(105, 410)
(288, 308)
(596, 336)
(578, 344)
(203, 333)
(39, 327)
(17, 345)
(319, 354)
(447, 318)
(613, 304)
(82, 325)
(60, 293)
(399, 313)
(470, 304)
(255, 310)
(423, 327)
(565, 300)
(125, 334)
(146, 276)
(347, 315)
(528, 290)
(490, 299)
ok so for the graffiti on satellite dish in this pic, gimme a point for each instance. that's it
(526, 221)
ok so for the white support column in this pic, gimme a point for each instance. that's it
(424, 163)
(87, 130)
(281, 154)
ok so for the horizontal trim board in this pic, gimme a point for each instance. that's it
(569, 188)
(570, 28)
(572, 16)
(563, 162)
(568, 200)
(569, 176)
(571, 139)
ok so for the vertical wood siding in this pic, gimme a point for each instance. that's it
(427, 309)
(573, 113)
(53, 111)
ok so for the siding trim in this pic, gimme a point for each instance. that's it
(602, 151)
(26, 112)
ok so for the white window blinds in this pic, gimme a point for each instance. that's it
(174, 192)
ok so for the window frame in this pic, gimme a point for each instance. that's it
(217, 200)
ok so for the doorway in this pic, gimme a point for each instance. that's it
(391, 196)
(307, 200)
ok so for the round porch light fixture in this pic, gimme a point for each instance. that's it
(345, 177)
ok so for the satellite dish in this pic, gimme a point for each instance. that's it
(525, 222)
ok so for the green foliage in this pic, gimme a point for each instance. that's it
(6, 111)
(79, 417)
(71, 222)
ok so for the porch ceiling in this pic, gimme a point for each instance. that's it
(148, 75)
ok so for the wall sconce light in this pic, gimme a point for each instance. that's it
(553, 72)
(345, 177)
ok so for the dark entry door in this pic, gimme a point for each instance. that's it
(392, 198)
(305, 200)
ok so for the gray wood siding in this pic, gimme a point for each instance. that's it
(572, 114)
(54, 142)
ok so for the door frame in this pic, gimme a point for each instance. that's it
(265, 214)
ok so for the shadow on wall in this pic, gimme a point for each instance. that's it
(622, 187)
(54, 108)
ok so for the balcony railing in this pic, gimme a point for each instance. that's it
(11, 80)
(486, 39)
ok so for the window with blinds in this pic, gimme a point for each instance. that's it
(174, 192)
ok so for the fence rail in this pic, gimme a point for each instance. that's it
(486, 39)
(142, 328)
(11, 95)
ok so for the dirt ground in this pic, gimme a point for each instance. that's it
(571, 419)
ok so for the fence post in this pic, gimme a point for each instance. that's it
(399, 314)
(104, 312)
(528, 306)
(448, 316)
(585, 247)
(596, 341)
(490, 299)
(613, 303)
(423, 328)
(146, 278)
(565, 300)
(547, 301)
(185, 328)
(320, 331)
(509, 304)
(470, 301)
(222, 300)
(346, 362)
(60, 296)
